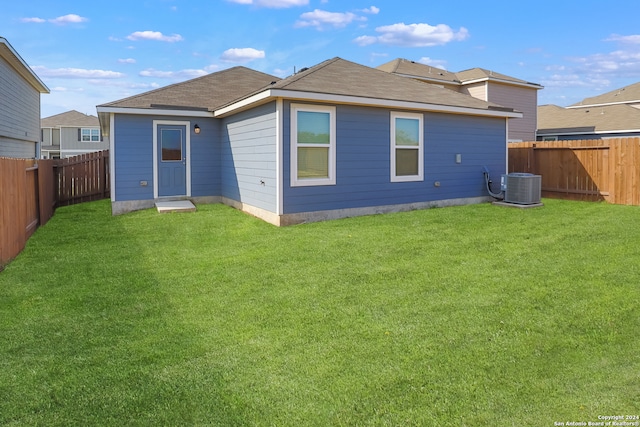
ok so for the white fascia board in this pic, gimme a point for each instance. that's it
(245, 103)
(357, 100)
(155, 112)
(598, 132)
(631, 104)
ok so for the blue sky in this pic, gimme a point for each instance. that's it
(89, 53)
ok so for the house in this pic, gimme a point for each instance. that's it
(335, 140)
(70, 134)
(614, 114)
(483, 84)
(20, 90)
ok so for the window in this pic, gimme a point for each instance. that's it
(407, 140)
(90, 135)
(313, 145)
(171, 143)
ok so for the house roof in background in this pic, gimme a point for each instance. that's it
(205, 93)
(553, 120)
(8, 53)
(476, 74)
(407, 68)
(628, 95)
(71, 118)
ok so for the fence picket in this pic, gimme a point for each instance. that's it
(606, 169)
(30, 190)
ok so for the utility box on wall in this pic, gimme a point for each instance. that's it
(521, 188)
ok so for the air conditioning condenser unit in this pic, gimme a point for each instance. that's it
(521, 188)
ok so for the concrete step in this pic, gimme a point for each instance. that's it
(175, 206)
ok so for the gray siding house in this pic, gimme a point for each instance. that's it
(613, 114)
(70, 134)
(20, 90)
(335, 140)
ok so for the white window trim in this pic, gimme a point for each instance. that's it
(420, 148)
(331, 180)
(91, 132)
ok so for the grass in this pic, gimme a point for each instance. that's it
(463, 316)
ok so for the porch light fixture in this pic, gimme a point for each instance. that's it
(196, 129)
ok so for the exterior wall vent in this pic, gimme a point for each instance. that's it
(521, 188)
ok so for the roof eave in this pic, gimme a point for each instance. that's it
(567, 132)
(502, 81)
(271, 94)
(16, 61)
(105, 111)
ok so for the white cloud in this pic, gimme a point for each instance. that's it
(274, 4)
(321, 18)
(242, 54)
(68, 19)
(71, 18)
(154, 35)
(33, 20)
(632, 39)
(280, 72)
(181, 74)
(437, 63)
(66, 89)
(365, 40)
(127, 61)
(372, 10)
(76, 73)
(414, 35)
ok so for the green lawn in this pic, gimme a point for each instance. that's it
(464, 316)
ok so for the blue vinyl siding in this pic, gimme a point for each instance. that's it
(205, 158)
(363, 161)
(134, 156)
(249, 157)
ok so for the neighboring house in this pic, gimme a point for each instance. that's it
(69, 134)
(614, 114)
(335, 140)
(486, 85)
(20, 90)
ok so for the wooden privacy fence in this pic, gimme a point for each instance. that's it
(30, 190)
(82, 178)
(602, 169)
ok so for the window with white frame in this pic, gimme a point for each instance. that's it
(407, 142)
(90, 135)
(313, 145)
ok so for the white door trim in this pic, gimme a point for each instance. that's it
(187, 124)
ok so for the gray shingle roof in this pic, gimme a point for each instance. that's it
(553, 119)
(416, 69)
(203, 93)
(426, 72)
(334, 77)
(71, 118)
(341, 77)
(627, 94)
(481, 73)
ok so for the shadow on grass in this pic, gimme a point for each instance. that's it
(89, 342)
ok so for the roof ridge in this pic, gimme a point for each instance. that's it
(306, 71)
